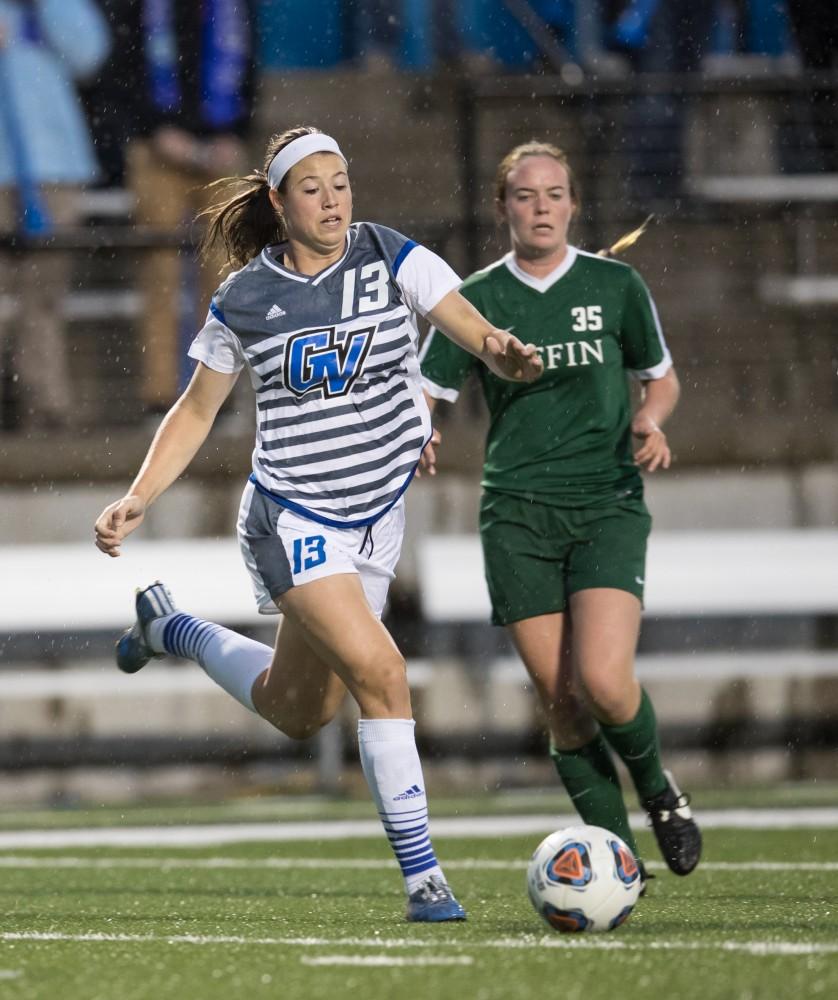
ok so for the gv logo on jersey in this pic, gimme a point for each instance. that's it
(325, 359)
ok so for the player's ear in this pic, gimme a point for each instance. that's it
(276, 200)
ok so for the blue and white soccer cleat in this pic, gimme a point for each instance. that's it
(133, 650)
(433, 902)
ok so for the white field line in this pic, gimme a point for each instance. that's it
(198, 835)
(362, 864)
(386, 960)
(529, 942)
(10, 974)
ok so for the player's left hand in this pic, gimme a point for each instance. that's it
(427, 460)
(653, 452)
(509, 358)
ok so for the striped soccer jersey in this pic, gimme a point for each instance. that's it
(341, 418)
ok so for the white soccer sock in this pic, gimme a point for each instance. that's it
(232, 660)
(394, 774)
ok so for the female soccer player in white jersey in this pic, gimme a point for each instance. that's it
(322, 313)
(562, 520)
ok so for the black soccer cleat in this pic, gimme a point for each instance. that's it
(676, 832)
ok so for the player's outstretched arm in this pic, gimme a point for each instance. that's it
(501, 352)
(182, 432)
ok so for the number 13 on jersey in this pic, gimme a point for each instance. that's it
(372, 285)
(308, 552)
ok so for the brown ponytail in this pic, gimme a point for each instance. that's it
(624, 242)
(246, 221)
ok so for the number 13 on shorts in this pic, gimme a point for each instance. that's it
(308, 553)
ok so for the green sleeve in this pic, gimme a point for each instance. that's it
(644, 349)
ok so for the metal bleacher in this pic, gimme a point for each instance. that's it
(801, 198)
(739, 633)
(74, 601)
(690, 574)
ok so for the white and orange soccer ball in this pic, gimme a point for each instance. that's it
(583, 878)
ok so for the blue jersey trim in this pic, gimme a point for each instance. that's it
(405, 250)
(329, 522)
(219, 315)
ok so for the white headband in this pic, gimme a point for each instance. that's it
(298, 150)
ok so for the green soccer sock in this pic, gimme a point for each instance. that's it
(591, 780)
(636, 744)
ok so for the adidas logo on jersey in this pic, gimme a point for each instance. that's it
(410, 793)
(274, 312)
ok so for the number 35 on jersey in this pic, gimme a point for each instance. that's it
(586, 319)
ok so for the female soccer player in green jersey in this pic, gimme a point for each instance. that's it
(562, 518)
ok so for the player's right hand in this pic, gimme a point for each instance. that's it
(116, 522)
(510, 359)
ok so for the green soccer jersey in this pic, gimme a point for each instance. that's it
(564, 439)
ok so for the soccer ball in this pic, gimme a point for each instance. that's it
(583, 878)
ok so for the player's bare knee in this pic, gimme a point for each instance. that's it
(570, 721)
(384, 674)
(613, 704)
(566, 709)
(289, 716)
(383, 691)
(295, 726)
(301, 730)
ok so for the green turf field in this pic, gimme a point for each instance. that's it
(316, 919)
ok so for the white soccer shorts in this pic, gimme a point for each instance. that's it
(282, 550)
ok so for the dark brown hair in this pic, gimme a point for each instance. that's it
(246, 221)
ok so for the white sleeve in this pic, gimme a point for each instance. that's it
(218, 347)
(653, 374)
(425, 279)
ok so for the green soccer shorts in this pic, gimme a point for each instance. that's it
(535, 556)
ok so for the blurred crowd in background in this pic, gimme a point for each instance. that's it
(421, 34)
(605, 37)
(157, 97)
